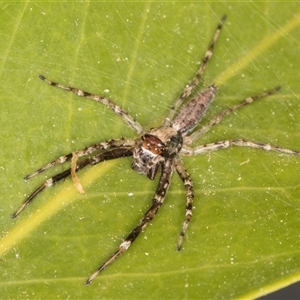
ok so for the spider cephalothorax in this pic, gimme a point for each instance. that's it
(157, 149)
(155, 146)
(166, 141)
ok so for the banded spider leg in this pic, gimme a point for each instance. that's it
(187, 151)
(157, 149)
(189, 88)
(107, 155)
(157, 201)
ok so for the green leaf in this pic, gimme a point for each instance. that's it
(243, 240)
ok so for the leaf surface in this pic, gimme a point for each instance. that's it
(243, 240)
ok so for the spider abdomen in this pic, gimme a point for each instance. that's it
(190, 114)
(157, 148)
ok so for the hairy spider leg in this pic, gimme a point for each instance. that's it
(188, 184)
(214, 121)
(119, 143)
(184, 122)
(189, 88)
(237, 142)
(158, 199)
(117, 109)
(108, 155)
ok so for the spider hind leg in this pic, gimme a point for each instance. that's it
(218, 118)
(189, 88)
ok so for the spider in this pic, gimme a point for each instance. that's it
(157, 149)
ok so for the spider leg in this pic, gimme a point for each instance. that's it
(188, 184)
(164, 183)
(87, 150)
(238, 142)
(111, 154)
(117, 109)
(189, 88)
(206, 127)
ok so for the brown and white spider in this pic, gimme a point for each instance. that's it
(159, 148)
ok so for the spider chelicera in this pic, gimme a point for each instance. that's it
(157, 149)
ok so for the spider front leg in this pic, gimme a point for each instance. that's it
(119, 143)
(188, 184)
(108, 155)
(158, 199)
